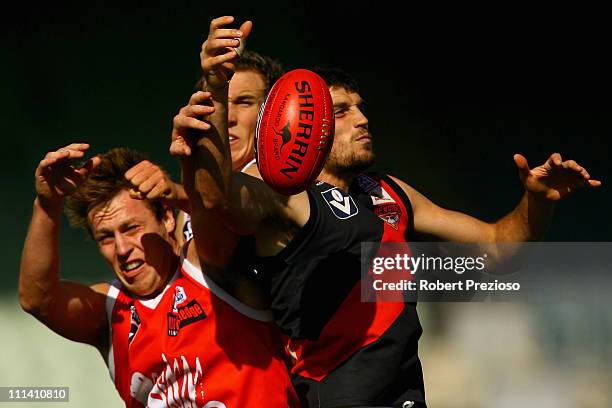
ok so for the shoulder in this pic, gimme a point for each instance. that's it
(412, 194)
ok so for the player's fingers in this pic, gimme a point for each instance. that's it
(209, 63)
(186, 122)
(197, 98)
(594, 183)
(220, 22)
(133, 171)
(158, 191)
(138, 168)
(136, 194)
(152, 172)
(571, 165)
(179, 148)
(222, 33)
(522, 165)
(55, 157)
(152, 182)
(246, 29)
(556, 159)
(77, 146)
(198, 110)
(89, 166)
(220, 46)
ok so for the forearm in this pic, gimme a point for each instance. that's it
(180, 199)
(527, 222)
(39, 271)
(212, 158)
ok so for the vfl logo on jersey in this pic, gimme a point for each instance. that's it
(134, 324)
(184, 316)
(389, 213)
(366, 183)
(179, 297)
(341, 204)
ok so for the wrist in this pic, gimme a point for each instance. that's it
(218, 91)
(50, 206)
(539, 202)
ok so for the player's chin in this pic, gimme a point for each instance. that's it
(362, 162)
(145, 286)
(367, 158)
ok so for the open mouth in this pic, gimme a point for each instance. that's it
(132, 268)
(233, 139)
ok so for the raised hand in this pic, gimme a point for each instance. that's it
(150, 182)
(56, 177)
(555, 179)
(189, 124)
(219, 51)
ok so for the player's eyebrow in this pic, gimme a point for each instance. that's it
(342, 105)
(245, 97)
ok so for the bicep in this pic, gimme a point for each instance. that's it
(78, 313)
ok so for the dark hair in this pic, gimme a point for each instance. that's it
(336, 78)
(270, 69)
(104, 183)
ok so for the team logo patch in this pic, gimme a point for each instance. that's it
(380, 196)
(341, 204)
(134, 324)
(190, 313)
(389, 213)
(179, 297)
(366, 183)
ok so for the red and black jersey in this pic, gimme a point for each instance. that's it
(347, 352)
(194, 345)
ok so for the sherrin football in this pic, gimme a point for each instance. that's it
(295, 131)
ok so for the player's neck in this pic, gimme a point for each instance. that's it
(342, 181)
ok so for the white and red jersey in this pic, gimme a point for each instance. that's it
(194, 345)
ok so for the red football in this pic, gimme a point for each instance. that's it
(295, 131)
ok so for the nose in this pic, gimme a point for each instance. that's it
(360, 119)
(231, 116)
(123, 246)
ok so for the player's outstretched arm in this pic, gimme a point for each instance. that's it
(201, 134)
(215, 243)
(72, 310)
(544, 185)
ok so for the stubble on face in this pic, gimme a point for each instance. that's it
(352, 151)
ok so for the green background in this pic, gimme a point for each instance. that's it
(451, 93)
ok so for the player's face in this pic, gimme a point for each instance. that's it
(352, 149)
(246, 94)
(135, 243)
